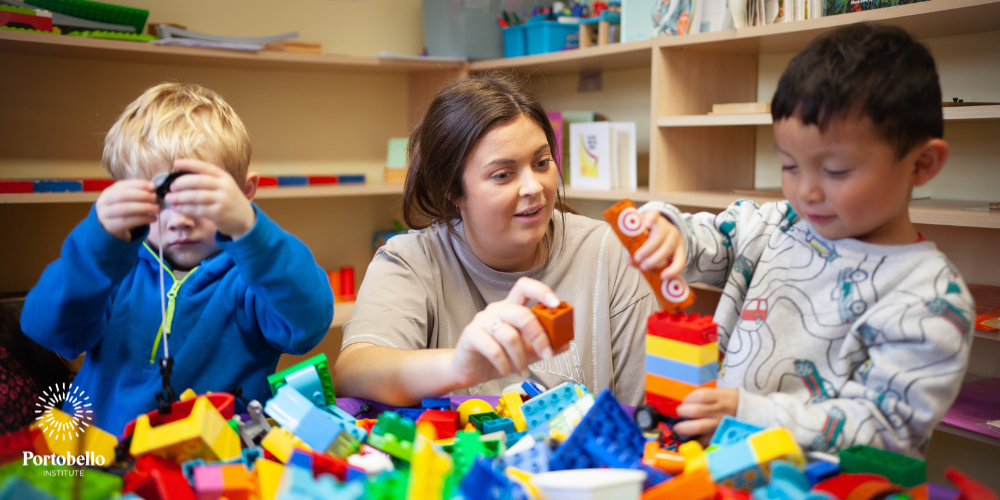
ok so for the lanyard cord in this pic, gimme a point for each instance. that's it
(163, 300)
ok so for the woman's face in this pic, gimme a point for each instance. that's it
(510, 183)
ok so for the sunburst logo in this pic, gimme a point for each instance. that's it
(69, 423)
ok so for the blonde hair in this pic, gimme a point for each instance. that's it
(171, 121)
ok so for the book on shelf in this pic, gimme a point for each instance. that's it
(603, 155)
(834, 7)
(569, 117)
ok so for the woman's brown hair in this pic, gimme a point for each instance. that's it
(440, 145)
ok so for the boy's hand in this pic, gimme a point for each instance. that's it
(664, 245)
(705, 408)
(126, 205)
(211, 193)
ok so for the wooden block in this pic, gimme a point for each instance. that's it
(603, 32)
(557, 322)
(740, 108)
(295, 46)
(395, 176)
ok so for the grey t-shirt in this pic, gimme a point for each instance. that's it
(423, 288)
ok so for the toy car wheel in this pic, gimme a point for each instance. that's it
(858, 307)
(646, 417)
(858, 275)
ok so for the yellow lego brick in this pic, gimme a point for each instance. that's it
(204, 433)
(522, 478)
(776, 443)
(694, 454)
(91, 439)
(428, 430)
(695, 464)
(188, 394)
(428, 470)
(510, 406)
(268, 477)
(682, 351)
(280, 443)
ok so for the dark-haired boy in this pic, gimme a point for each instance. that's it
(838, 321)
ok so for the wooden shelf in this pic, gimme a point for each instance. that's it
(90, 48)
(341, 313)
(993, 335)
(262, 194)
(965, 113)
(930, 211)
(930, 19)
(613, 56)
(982, 438)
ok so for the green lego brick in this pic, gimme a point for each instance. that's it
(322, 368)
(899, 469)
(387, 486)
(19, 10)
(60, 480)
(27, 30)
(234, 425)
(464, 451)
(479, 418)
(394, 435)
(96, 11)
(114, 35)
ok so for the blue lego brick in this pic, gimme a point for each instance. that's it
(534, 460)
(731, 430)
(730, 460)
(318, 429)
(302, 459)
(292, 410)
(298, 484)
(820, 470)
(541, 408)
(681, 371)
(501, 424)
(288, 407)
(513, 437)
(355, 474)
(531, 389)
(17, 488)
(786, 483)
(307, 382)
(654, 476)
(56, 185)
(436, 404)
(484, 483)
(351, 179)
(410, 413)
(293, 180)
(606, 425)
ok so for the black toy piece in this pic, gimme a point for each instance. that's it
(648, 417)
(163, 182)
(166, 398)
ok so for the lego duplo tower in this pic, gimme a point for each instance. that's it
(682, 350)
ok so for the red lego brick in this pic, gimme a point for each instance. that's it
(323, 179)
(664, 405)
(444, 422)
(36, 22)
(727, 493)
(968, 488)
(222, 401)
(267, 182)
(14, 444)
(841, 486)
(97, 184)
(143, 470)
(557, 322)
(16, 186)
(691, 328)
(674, 294)
(329, 464)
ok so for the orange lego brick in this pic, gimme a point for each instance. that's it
(674, 294)
(694, 485)
(557, 322)
(671, 389)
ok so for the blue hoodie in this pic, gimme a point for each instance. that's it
(229, 319)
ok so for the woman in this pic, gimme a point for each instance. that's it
(444, 309)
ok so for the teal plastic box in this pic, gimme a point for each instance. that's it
(551, 36)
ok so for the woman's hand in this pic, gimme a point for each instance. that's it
(664, 246)
(505, 337)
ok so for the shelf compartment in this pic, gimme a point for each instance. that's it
(964, 113)
(605, 57)
(930, 19)
(116, 50)
(262, 194)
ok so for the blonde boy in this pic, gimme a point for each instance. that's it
(240, 290)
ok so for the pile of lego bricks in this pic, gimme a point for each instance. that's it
(80, 18)
(301, 445)
(77, 185)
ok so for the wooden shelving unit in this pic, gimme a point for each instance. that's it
(987, 112)
(282, 193)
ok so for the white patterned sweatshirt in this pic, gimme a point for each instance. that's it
(841, 342)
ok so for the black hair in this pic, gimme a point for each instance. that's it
(865, 69)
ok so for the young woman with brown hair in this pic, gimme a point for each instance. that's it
(444, 309)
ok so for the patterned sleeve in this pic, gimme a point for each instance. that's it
(911, 350)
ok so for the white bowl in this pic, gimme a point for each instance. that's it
(590, 484)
